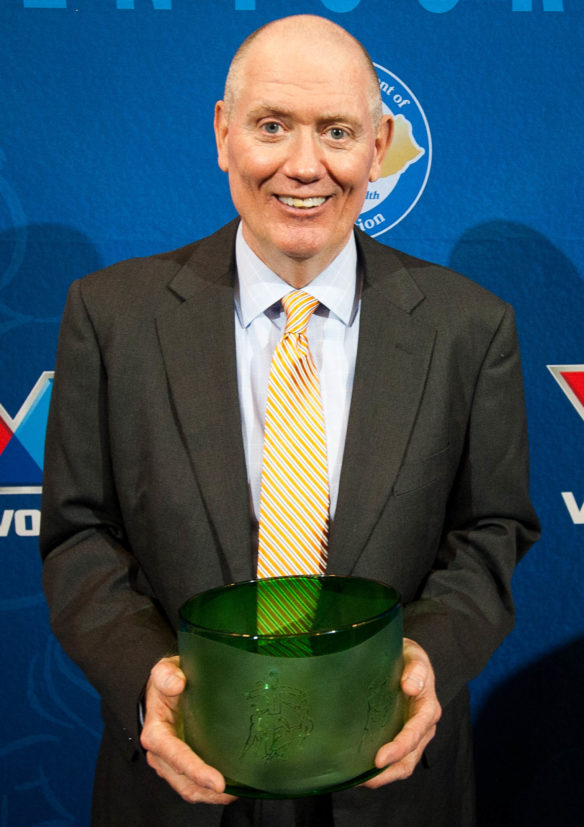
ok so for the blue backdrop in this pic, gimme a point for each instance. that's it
(106, 151)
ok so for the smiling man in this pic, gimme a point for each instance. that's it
(301, 135)
(158, 477)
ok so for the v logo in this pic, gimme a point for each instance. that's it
(22, 441)
(570, 378)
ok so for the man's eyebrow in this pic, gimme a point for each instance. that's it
(263, 110)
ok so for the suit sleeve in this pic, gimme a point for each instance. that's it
(465, 607)
(113, 630)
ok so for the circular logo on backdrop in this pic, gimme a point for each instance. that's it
(407, 164)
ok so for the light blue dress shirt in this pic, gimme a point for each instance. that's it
(332, 333)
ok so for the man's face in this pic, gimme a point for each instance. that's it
(300, 147)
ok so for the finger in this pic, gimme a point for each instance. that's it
(167, 750)
(405, 743)
(204, 788)
(413, 680)
(167, 677)
(402, 769)
(426, 714)
(174, 761)
(417, 672)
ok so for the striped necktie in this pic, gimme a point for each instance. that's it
(294, 498)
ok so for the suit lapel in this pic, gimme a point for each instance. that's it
(393, 359)
(197, 339)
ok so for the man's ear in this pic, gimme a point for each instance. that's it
(382, 142)
(221, 129)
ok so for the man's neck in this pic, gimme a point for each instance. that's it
(297, 272)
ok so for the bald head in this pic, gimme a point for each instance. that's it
(309, 28)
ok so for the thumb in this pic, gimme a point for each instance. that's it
(416, 672)
(167, 677)
(413, 679)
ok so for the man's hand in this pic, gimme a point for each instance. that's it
(172, 759)
(423, 711)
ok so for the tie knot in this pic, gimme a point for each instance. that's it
(298, 307)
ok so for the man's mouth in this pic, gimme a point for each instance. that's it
(302, 203)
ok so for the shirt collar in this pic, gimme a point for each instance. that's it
(258, 287)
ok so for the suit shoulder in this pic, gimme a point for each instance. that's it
(141, 272)
(144, 281)
(438, 289)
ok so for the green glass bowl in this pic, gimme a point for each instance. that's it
(301, 707)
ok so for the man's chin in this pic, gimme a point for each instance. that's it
(311, 246)
(306, 243)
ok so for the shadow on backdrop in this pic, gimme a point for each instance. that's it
(523, 267)
(529, 729)
(49, 734)
(529, 742)
(38, 262)
(547, 292)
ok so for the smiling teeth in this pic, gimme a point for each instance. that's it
(303, 203)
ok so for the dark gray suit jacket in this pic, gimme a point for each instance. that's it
(146, 501)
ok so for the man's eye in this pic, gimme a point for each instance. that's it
(272, 128)
(337, 133)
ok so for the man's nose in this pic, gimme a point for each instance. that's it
(305, 159)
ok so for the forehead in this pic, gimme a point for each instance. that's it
(303, 75)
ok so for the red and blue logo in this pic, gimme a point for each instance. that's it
(22, 441)
(570, 378)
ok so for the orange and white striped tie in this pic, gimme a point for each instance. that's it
(294, 499)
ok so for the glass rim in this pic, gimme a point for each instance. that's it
(197, 627)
